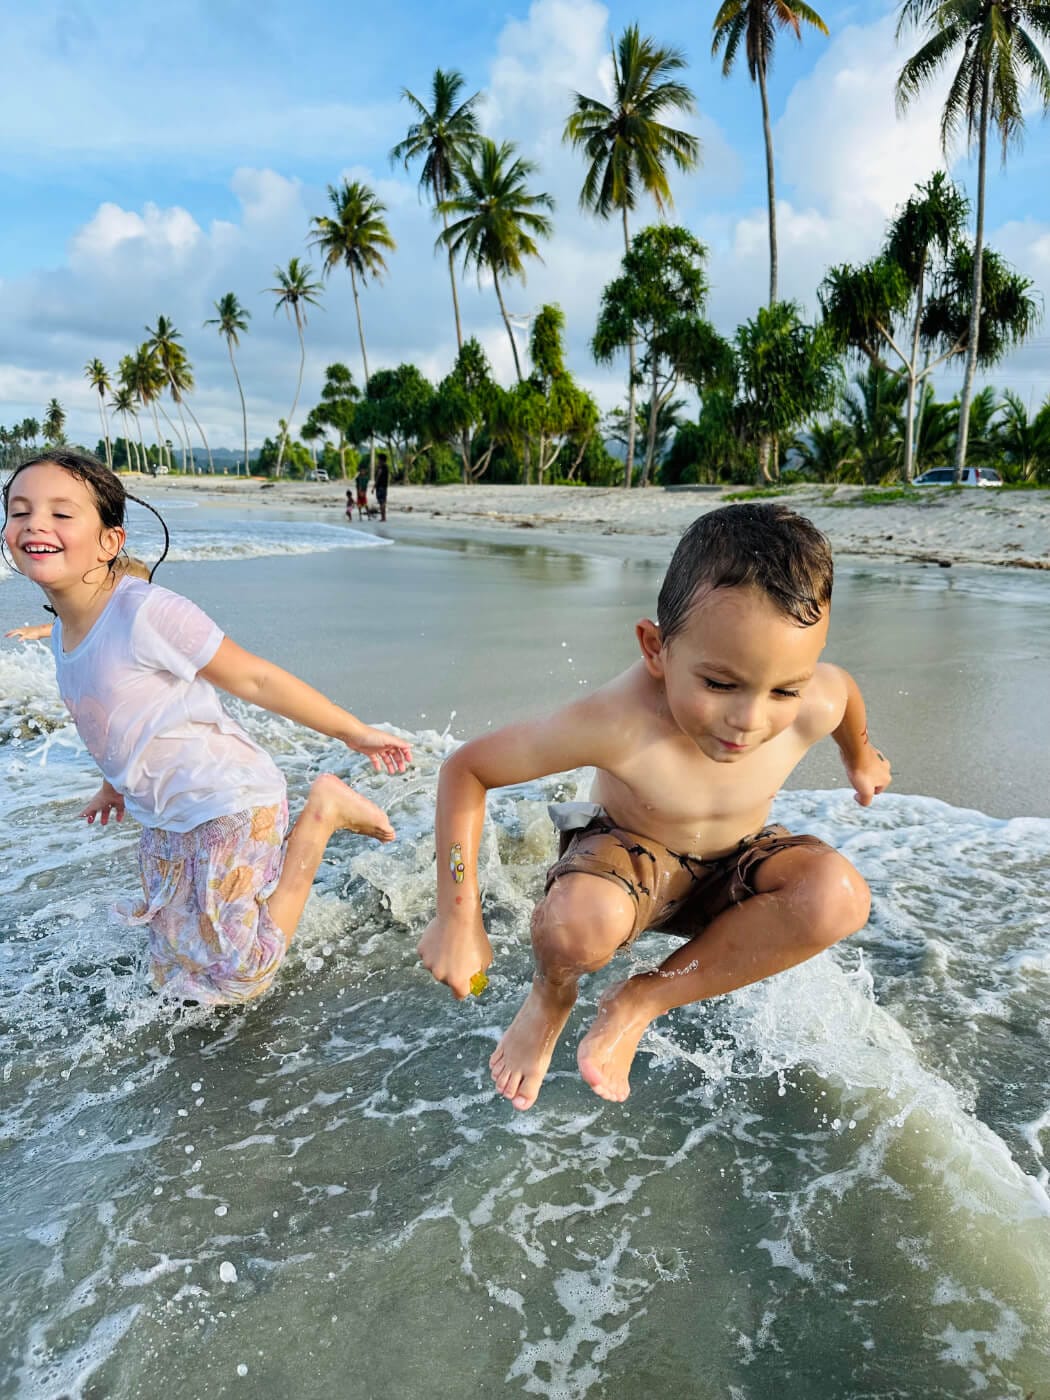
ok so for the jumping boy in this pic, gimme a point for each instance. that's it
(690, 746)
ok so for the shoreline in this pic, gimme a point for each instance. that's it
(984, 527)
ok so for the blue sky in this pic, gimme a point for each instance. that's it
(154, 158)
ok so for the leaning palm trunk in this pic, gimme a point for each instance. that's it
(184, 436)
(298, 387)
(184, 442)
(506, 322)
(244, 410)
(105, 431)
(629, 465)
(975, 308)
(913, 382)
(451, 269)
(772, 447)
(207, 449)
(654, 414)
(364, 362)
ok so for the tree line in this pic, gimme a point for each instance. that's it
(774, 392)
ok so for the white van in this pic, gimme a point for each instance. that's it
(971, 476)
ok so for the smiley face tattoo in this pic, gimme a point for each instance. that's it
(455, 863)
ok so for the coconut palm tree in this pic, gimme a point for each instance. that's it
(143, 375)
(997, 44)
(232, 321)
(98, 378)
(165, 340)
(54, 423)
(180, 380)
(755, 23)
(629, 148)
(295, 292)
(123, 402)
(443, 137)
(497, 220)
(357, 237)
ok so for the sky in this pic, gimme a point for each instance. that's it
(153, 158)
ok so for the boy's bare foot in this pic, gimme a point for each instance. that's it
(341, 808)
(522, 1057)
(607, 1051)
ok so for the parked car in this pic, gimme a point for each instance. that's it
(319, 475)
(971, 476)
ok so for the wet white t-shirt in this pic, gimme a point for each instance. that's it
(155, 728)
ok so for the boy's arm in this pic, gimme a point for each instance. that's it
(455, 946)
(261, 683)
(867, 768)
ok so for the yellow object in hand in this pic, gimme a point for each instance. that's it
(478, 983)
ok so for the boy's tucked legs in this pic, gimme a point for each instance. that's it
(806, 898)
(775, 901)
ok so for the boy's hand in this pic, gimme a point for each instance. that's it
(870, 775)
(31, 634)
(106, 802)
(383, 749)
(453, 952)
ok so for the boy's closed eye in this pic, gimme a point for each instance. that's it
(781, 692)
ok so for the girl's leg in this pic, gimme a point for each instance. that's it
(576, 928)
(331, 806)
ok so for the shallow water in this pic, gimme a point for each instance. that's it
(833, 1184)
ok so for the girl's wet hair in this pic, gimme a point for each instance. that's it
(106, 488)
(765, 546)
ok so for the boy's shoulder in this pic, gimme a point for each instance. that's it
(824, 702)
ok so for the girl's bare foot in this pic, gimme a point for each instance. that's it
(338, 806)
(607, 1051)
(522, 1057)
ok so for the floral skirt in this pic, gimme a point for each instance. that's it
(212, 939)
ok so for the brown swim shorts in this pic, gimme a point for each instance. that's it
(679, 893)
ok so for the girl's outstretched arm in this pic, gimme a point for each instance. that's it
(261, 683)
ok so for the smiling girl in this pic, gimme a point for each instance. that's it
(225, 883)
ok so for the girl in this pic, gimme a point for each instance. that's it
(137, 666)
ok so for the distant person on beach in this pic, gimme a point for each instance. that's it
(361, 483)
(225, 883)
(691, 744)
(382, 482)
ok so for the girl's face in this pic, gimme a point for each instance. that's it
(54, 531)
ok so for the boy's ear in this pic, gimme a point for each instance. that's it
(651, 643)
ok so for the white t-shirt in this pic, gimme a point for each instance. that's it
(155, 728)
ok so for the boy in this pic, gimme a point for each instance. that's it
(691, 745)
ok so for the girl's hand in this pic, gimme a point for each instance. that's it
(383, 749)
(106, 802)
(31, 634)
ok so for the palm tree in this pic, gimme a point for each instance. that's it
(98, 378)
(999, 55)
(123, 402)
(755, 22)
(443, 137)
(295, 292)
(54, 423)
(629, 147)
(232, 320)
(165, 340)
(356, 236)
(497, 219)
(143, 375)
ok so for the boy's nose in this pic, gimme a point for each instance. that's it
(746, 716)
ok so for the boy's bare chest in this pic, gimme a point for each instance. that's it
(690, 803)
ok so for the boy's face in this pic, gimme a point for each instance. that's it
(735, 675)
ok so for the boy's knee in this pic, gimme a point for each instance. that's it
(840, 896)
(581, 921)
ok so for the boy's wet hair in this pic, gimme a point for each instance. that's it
(764, 546)
(108, 492)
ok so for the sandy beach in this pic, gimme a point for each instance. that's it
(990, 527)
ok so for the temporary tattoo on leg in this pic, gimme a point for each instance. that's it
(455, 863)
